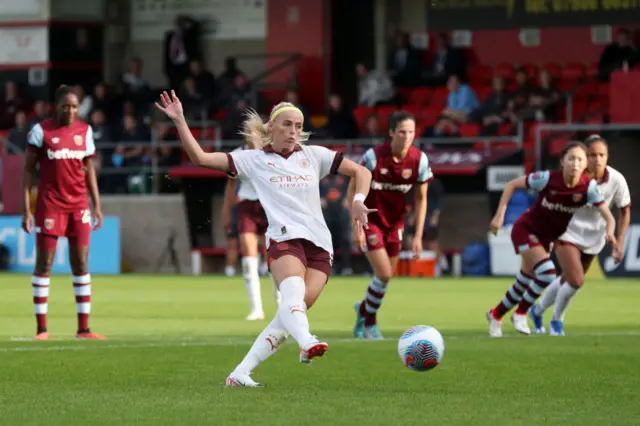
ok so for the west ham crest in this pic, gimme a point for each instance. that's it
(48, 224)
(406, 173)
(577, 198)
(78, 140)
(372, 239)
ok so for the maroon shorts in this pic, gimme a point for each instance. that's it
(310, 255)
(524, 238)
(51, 224)
(378, 238)
(251, 218)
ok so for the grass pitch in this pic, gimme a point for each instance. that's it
(173, 340)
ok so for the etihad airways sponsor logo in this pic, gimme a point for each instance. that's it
(292, 181)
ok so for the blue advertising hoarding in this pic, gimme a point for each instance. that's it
(104, 254)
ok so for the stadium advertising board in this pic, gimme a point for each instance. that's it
(465, 161)
(630, 265)
(220, 19)
(503, 14)
(104, 255)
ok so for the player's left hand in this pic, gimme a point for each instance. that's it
(416, 247)
(616, 250)
(97, 219)
(360, 212)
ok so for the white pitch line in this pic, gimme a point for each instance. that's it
(159, 342)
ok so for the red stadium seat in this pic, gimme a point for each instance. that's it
(482, 92)
(419, 96)
(383, 113)
(480, 75)
(414, 110)
(573, 72)
(557, 144)
(439, 97)
(469, 130)
(506, 129)
(429, 117)
(554, 69)
(531, 70)
(592, 70)
(361, 114)
(505, 71)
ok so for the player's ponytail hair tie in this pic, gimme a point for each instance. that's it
(256, 132)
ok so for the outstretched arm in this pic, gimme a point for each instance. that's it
(360, 180)
(173, 108)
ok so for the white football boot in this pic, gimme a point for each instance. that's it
(255, 316)
(314, 349)
(495, 326)
(520, 323)
(238, 380)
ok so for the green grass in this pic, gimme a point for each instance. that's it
(173, 340)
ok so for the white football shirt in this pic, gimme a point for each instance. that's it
(245, 189)
(587, 228)
(289, 189)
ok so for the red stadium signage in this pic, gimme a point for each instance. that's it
(465, 162)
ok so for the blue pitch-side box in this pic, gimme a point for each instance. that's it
(104, 253)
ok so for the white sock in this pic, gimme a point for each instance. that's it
(252, 282)
(267, 344)
(293, 312)
(565, 294)
(548, 297)
(276, 293)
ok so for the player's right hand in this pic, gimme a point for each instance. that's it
(357, 237)
(360, 213)
(171, 105)
(27, 223)
(496, 224)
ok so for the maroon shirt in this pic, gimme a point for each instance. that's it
(61, 152)
(391, 181)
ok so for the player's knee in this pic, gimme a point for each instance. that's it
(44, 263)
(79, 265)
(384, 277)
(574, 278)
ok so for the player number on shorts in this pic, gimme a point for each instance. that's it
(86, 216)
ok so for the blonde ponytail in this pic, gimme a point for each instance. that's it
(257, 133)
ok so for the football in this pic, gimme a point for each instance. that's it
(421, 348)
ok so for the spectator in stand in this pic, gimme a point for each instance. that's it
(193, 101)
(461, 102)
(86, 102)
(545, 99)
(17, 136)
(12, 103)
(372, 129)
(404, 62)
(523, 90)
(447, 61)
(102, 101)
(134, 87)
(40, 113)
(169, 155)
(228, 82)
(496, 109)
(101, 137)
(435, 197)
(232, 124)
(181, 46)
(134, 137)
(340, 121)
(293, 97)
(374, 87)
(204, 80)
(333, 190)
(617, 54)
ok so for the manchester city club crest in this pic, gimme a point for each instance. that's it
(78, 140)
(406, 173)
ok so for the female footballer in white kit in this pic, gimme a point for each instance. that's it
(286, 175)
(585, 238)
